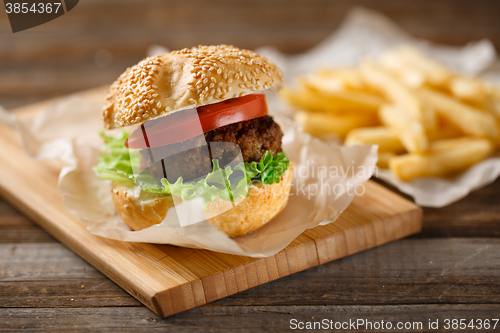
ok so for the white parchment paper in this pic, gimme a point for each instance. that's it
(367, 33)
(67, 130)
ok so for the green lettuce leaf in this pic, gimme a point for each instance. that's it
(114, 160)
(227, 183)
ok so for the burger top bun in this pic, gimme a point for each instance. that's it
(185, 79)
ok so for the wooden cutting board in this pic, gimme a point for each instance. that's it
(169, 279)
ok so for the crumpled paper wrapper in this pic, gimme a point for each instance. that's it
(367, 33)
(67, 131)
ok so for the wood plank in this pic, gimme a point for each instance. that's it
(235, 318)
(85, 292)
(16, 228)
(409, 271)
(170, 279)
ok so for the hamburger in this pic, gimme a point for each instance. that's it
(197, 127)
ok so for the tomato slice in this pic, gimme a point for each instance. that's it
(184, 125)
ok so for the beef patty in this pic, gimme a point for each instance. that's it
(249, 138)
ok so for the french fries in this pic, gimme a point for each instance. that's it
(469, 119)
(445, 130)
(426, 119)
(348, 99)
(410, 132)
(396, 92)
(309, 97)
(444, 157)
(416, 67)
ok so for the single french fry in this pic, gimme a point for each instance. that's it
(396, 92)
(469, 89)
(493, 100)
(347, 78)
(383, 159)
(470, 120)
(444, 158)
(302, 100)
(324, 83)
(410, 132)
(321, 123)
(383, 136)
(439, 146)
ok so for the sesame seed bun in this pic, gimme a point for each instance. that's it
(249, 214)
(185, 79)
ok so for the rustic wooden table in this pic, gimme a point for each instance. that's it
(450, 271)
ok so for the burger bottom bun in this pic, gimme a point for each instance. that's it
(248, 214)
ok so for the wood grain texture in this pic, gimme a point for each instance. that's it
(236, 318)
(59, 57)
(171, 279)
